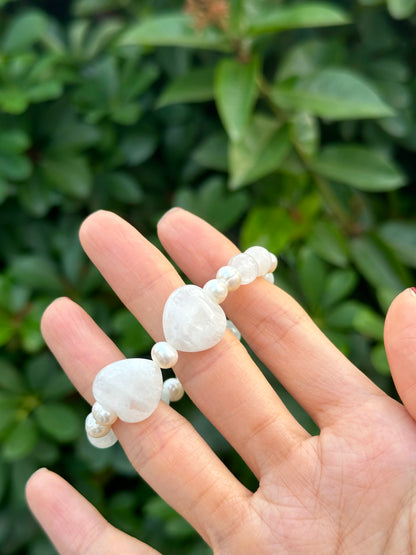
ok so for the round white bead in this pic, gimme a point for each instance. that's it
(233, 329)
(274, 262)
(269, 277)
(247, 267)
(131, 388)
(192, 322)
(231, 276)
(102, 415)
(94, 429)
(217, 290)
(262, 258)
(165, 396)
(174, 388)
(103, 442)
(164, 355)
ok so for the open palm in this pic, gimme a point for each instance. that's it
(349, 490)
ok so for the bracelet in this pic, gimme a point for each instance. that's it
(193, 321)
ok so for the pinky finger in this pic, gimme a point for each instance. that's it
(73, 525)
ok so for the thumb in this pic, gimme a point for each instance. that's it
(400, 342)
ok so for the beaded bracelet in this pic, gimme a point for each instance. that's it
(193, 321)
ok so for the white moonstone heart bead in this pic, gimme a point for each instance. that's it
(247, 267)
(233, 329)
(217, 289)
(192, 322)
(93, 428)
(274, 262)
(231, 276)
(131, 388)
(269, 277)
(103, 442)
(164, 355)
(262, 258)
(102, 415)
(174, 388)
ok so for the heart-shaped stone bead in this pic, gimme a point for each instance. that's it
(131, 388)
(192, 321)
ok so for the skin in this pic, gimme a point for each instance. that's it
(352, 489)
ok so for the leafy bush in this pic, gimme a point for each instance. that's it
(288, 124)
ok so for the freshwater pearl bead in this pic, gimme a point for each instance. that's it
(131, 388)
(217, 290)
(192, 322)
(233, 329)
(247, 267)
(231, 276)
(103, 442)
(274, 262)
(164, 355)
(174, 388)
(93, 428)
(102, 415)
(262, 258)
(269, 277)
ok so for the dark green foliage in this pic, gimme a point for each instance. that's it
(293, 128)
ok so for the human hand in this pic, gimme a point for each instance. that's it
(349, 490)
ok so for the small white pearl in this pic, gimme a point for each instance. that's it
(231, 276)
(102, 415)
(233, 329)
(269, 277)
(217, 290)
(103, 442)
(175, 389)
(274, 262)
(164, 355)
(94, 429)
(165, 396)
(247, 267)
(262, 258)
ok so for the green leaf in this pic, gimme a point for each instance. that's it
(213, 152)
(400, 236)
(10, 378)
(26, 29)
(305, 133)
(133, 337)
(358, 317)
(7, 327)
(59, 421)
(312, 273)
(21, 441)
(262, 151)
(378, 265)
(195, 86)
(14, 141)
(173, 30)
(359, 166)
(214, 203)
(338, 285)
(311, 14)
(333, 93)
(327, 240)
(401, 9)
(15, 167)
(69, 174)
(36, 272)
(379, 360)
(138, 146)
(236, 92)
(123, 187)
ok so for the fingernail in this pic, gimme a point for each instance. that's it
(174, 209)
(413, 291)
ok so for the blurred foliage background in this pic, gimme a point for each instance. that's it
(283, 123)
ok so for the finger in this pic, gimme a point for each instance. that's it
(400, 342)
(284, 337)
(73, 525)
(223, 381)
(165, 449)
